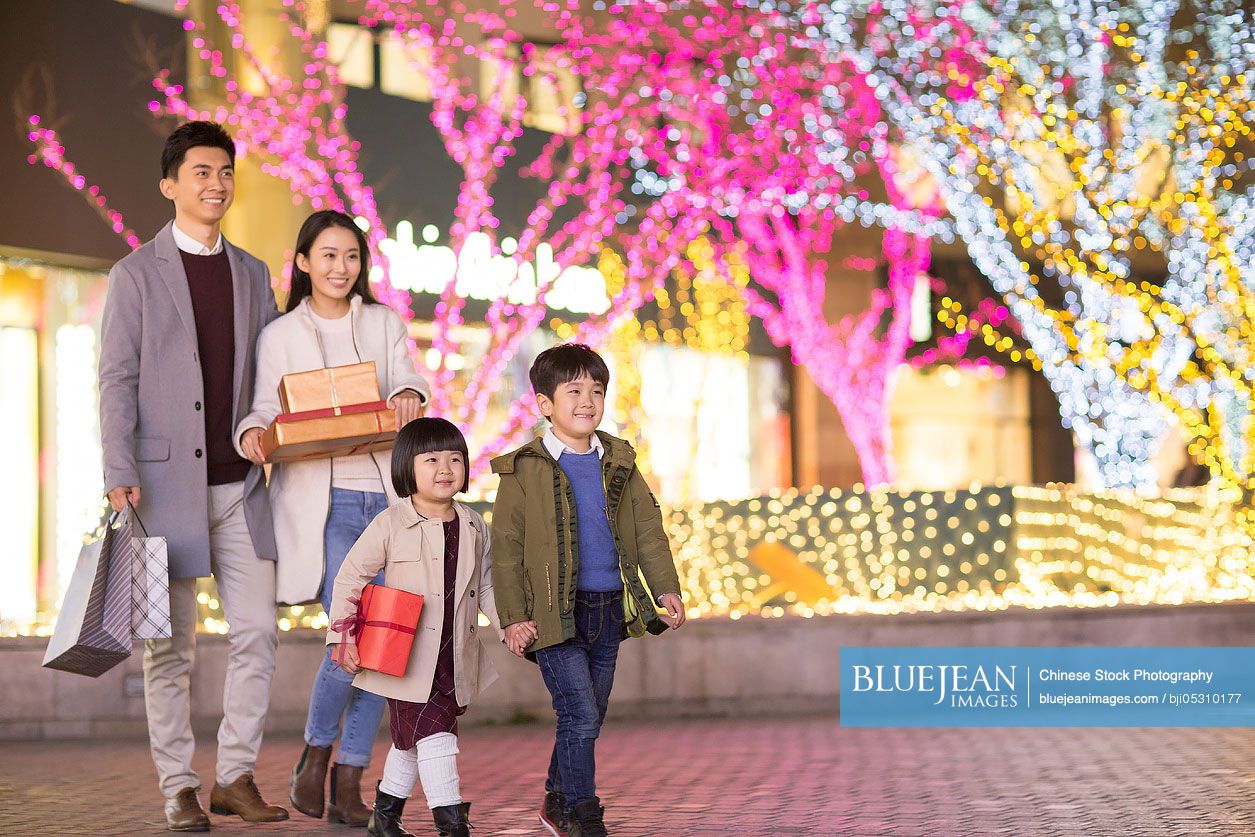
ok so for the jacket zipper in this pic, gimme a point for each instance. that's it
(614, 535)
(358, 352)
(548, 586)
(322, 353)
(322, 577)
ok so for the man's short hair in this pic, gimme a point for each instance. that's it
(193, 135)
(564, 363)
(424, 435)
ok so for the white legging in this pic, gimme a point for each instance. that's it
(434, 761)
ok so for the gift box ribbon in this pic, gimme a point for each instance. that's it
(353, 623)
(392, 626)
(329, 412)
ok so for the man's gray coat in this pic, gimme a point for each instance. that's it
(152, 422)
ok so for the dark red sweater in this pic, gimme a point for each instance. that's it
(213, 306)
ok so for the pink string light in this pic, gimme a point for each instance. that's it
(731, 121)
(50, 152)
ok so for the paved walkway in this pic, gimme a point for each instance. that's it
(725, 778)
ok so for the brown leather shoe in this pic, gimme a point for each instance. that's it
(183, 812)
(242, 798)
(346, 797)
(309, 781)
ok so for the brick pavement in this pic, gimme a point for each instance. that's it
(743, 777)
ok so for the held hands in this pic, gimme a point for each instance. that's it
(345, 656)
(520, 635)
(251, 443)
(119, 496)
(675, 610)
(408, 406)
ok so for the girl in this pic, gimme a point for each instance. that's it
(321, 506)
(438, 548)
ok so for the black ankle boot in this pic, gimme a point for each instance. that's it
(451, 820)
(587, 819)
(385, 820)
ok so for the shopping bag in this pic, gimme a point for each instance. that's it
(92, 634)
(150, 585)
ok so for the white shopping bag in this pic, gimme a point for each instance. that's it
(150, 586)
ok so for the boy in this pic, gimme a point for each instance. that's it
(574, 529)
(177, 340)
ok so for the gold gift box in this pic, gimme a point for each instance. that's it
(334, 386)
(369, 427)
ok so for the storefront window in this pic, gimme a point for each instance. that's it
(52, 492)
(19, 490)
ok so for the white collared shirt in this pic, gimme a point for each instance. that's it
(190, 245)
(557, 447)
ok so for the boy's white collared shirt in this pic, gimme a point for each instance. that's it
(557, 447)
(190, 245)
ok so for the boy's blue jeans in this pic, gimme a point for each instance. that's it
(579, 674)
(334, 695)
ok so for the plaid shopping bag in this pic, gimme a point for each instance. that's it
(150, 586)
(93, 631)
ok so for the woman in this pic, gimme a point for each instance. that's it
(321, 506)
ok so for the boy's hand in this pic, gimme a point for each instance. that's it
(345, 656)
(675, 610)
(520, 635)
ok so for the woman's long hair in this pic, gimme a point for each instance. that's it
(312, 228)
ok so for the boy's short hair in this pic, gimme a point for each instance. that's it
(564, 363)
(193, 135)
(424, 435)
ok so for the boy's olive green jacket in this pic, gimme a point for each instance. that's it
(535, 546)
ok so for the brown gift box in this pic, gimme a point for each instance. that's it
(322, 434)
(335, 386)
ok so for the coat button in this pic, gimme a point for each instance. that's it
(198, 406)
(472, 594)
(199, 453)
(472, 629)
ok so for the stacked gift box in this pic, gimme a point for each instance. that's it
(329, 412)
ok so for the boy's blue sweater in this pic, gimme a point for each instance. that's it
(599, 560)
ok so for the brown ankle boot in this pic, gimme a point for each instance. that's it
(346, 797)
(309, 781)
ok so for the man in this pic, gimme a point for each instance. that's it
(180, 326)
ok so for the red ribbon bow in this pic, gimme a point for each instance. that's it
(351, 624)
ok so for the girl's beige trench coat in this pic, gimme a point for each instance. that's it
(410, 551)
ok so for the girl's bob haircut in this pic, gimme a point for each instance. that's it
(424, 435)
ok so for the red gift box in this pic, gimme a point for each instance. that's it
(387, 622)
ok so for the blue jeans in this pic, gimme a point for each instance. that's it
(334, 695)
(579, 674)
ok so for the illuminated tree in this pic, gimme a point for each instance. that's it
(729, 115)
(1059, 161)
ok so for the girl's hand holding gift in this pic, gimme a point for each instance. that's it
(346, 657)
(408, 406)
